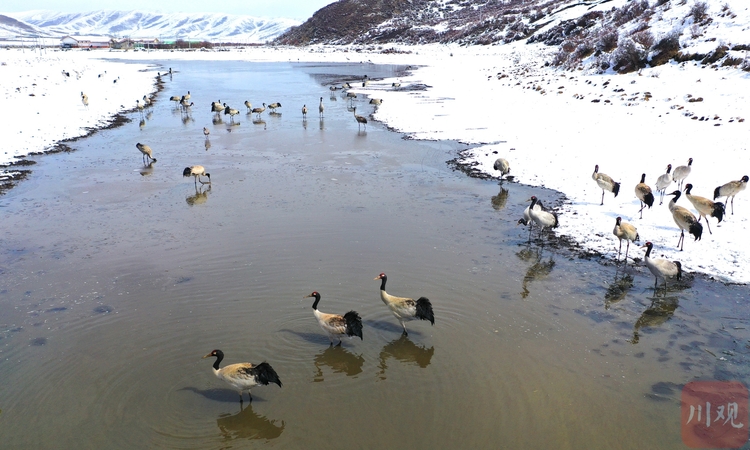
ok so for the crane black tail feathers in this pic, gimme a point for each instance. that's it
(265, 374)
(648, 199)
(679, 269)
(717, 192)
(718, 211)
(556, 222)
(353, 324)
(696, 230)
(616, 188)
(424, 310)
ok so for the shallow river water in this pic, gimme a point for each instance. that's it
(115, 279)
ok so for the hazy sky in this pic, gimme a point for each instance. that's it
(293, 9)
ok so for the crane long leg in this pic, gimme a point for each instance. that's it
(602, 197)
(627, 249)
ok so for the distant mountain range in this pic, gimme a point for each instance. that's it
(214, 27)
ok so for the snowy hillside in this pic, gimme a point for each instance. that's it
(214, 27)
(12, 28)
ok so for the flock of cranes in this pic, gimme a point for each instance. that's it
(685, 220)
(245, 376)
(198, 171)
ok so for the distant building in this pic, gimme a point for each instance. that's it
(85, 42)
(122, 44)
(146, 43)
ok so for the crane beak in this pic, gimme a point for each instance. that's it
(306, 296)
(207, 356)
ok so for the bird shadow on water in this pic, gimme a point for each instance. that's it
(339, 360)
(405, 351)
(539, 269)
(220, 395)
(314, 338)
(247, 424)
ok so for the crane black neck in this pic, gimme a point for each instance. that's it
(382, 282)
(317, 299)
(648, 250)
(219, 357)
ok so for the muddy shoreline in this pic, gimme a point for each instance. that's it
(568, 247)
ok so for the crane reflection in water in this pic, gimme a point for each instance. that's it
(538, 270)
(660, 311)
(339, 360)
(498, 201)
(247, 424)
(200, 197)
(405, 351)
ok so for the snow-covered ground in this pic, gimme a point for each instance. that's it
(553, 126)
(42, 105)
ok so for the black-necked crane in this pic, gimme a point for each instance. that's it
(360, 120)
(351, 96)
(249, 106)
(206, 132)
(304, 111)
(139, 106)
(175, 99)
(661, 268)
(542, 218)
(365, 81)
(605, 182)
(705, 207)
(147, 101)
(685, 220)
(376, 101)
(187, 96)
(337, 326)
(526, 220)
(197, 172)
(232, 112)
(681, 172)
(406, 309)
(624, 230)
(346, 86)
(502, 165)
(644, 194)
(259, 111)
(146, 152)
(731, 189)
(321, 108)
(244, 376)
(217, 107)
(185, 105)
(663, 182)
(274, 105)
(85, 100)
(396, 84)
